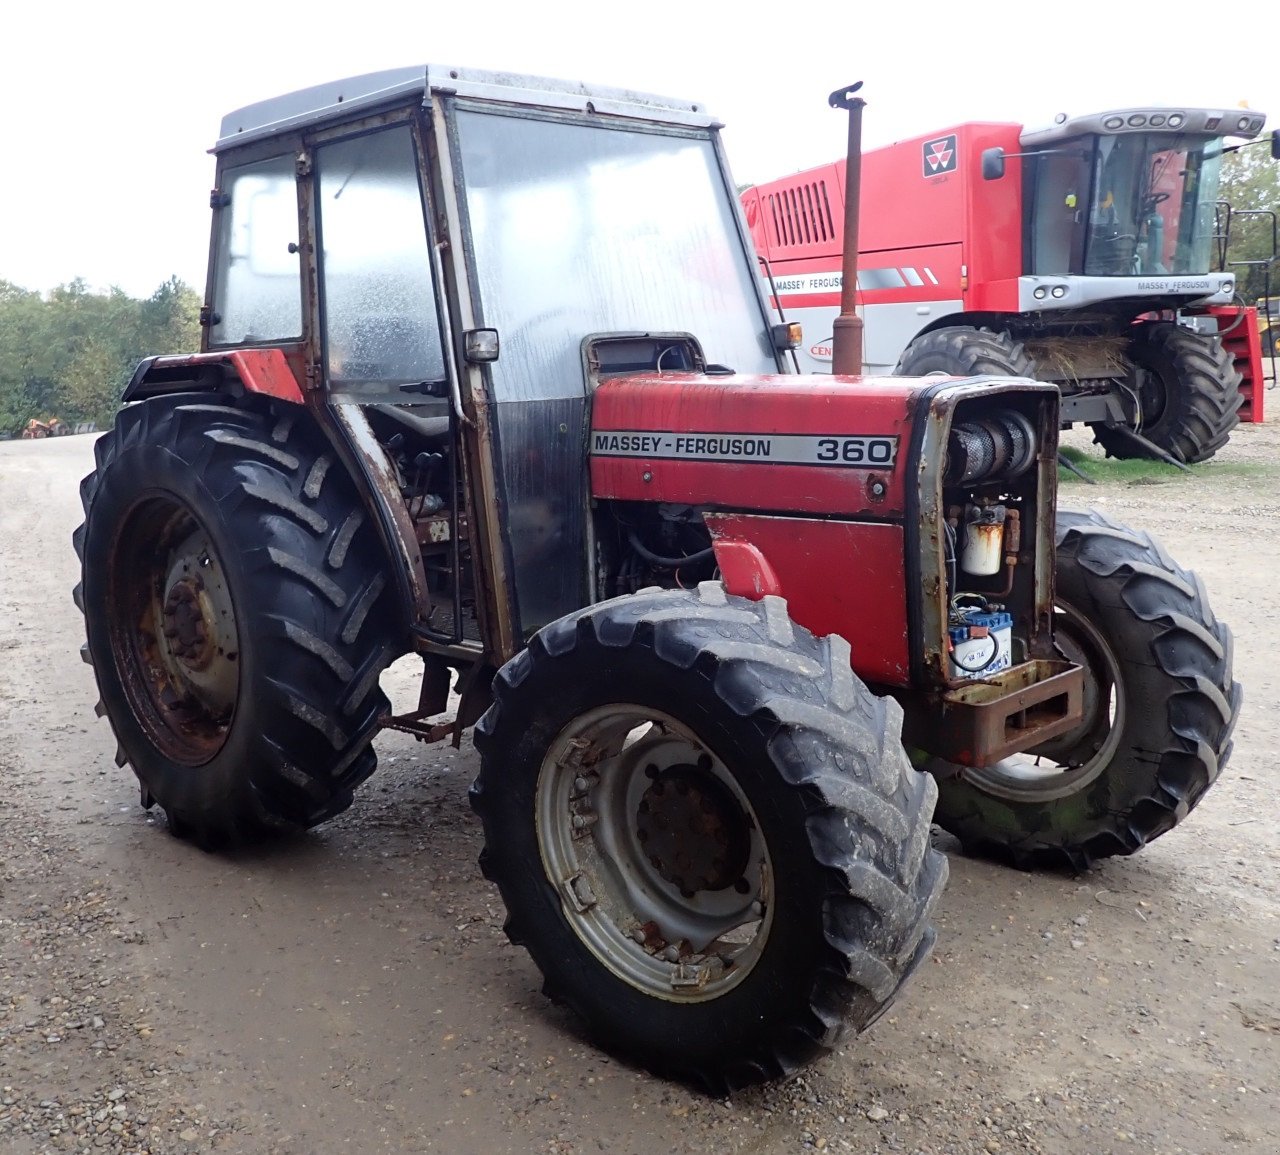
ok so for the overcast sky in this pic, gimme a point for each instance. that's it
(109, 108)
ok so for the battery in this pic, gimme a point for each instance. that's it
(979, 657)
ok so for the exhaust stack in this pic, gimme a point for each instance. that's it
(846, 338)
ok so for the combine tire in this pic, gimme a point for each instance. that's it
(1189, 394)
(965, 352)
(706, 832)
(233, 593)
(1160, 706)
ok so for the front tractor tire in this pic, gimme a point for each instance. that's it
(706, 832)
(963, 351)
(237, 614)
(1160, 708)
(1188, 390)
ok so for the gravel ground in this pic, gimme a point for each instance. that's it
(352, 990)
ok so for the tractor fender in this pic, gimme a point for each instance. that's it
(263, 371)
(744, 570)
(275, 373)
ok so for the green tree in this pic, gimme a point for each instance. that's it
(69, 353)
(1251, 185)
(27, 380)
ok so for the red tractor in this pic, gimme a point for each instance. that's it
(1081, 253)
(487, 376)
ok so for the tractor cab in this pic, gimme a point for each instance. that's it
(501, 224)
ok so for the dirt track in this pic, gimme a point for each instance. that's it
(353, 990)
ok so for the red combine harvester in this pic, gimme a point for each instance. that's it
(1086, 262)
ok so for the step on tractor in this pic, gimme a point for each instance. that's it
(487, 376)
(1082, 253)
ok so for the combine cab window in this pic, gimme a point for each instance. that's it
(1153, 200)
(258, 281)
(379, 303)
(1060, 190)
(1134, 204)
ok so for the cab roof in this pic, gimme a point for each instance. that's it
(1245, 122)
(338, 99)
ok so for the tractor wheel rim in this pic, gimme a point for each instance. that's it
(1153, 396)
(658, 858)
(174, 630)
(1074, 761)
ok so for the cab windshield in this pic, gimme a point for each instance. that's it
(587, 228)
(577, 227)
(1128, 205)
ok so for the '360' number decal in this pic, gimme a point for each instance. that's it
(857, 450)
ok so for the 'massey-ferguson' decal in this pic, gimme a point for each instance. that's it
(851, 451)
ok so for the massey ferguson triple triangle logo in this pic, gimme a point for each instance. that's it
(940, 155)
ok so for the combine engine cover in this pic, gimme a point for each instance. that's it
(913, 518)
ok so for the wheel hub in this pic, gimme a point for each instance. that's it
(174, 630)
(660, 861)
(693, 831)
(188, 623)
(198, 644)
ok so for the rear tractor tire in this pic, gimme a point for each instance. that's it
(1188, 390)
(237, 614)
(706, 832)
(961, 351)
(1160, 707)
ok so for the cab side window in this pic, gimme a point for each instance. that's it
(258, 280)
(378, 302)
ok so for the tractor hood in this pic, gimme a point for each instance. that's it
(803, 444)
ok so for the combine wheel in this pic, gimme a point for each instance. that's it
(233, 593)
(1160, 706)
(1189, 392)
(965, 352)
(706, 832)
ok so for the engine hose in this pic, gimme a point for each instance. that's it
(667, 562)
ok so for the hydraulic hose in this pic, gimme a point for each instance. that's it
(667, 562)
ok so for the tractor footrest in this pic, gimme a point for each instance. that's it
(990, 718)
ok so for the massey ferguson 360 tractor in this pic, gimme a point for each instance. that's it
(1068, 254)
(487, 376)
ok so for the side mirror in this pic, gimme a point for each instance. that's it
(1275, 144)
(992, 163)
(480, 346)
